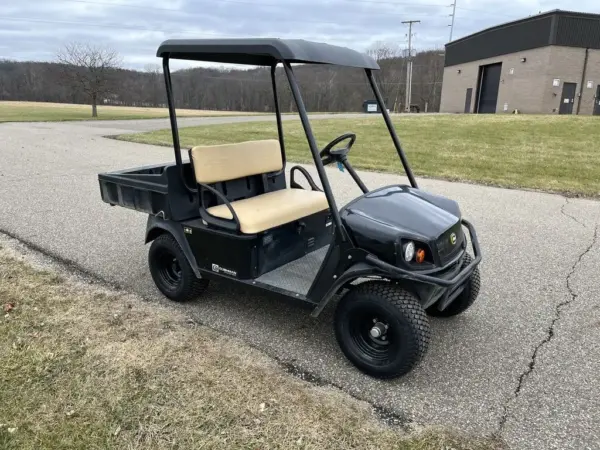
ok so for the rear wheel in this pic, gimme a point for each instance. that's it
(465, 299)
(382, 329)
(172, 272)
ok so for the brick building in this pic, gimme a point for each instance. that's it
(544, 64)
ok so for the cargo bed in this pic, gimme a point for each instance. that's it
(155, 190)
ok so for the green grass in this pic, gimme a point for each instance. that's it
(552, 153)
(86, 368)
(51, 112)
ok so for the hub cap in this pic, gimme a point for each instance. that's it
(378, 330)
(371, 336)
(169, 269)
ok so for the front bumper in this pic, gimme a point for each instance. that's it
(440, 277)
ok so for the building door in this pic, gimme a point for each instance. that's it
(468, 100)
(487, 97)
(568, 98)
(597, 102)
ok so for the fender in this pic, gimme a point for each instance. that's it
(157, 225)
(355, 271)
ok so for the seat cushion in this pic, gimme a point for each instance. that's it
(272, 209)
(213, 163)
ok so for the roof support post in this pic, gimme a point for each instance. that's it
(278, 113)
(173, 119)
(314, 150)
(390, 127)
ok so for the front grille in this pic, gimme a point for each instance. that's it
(446, 250)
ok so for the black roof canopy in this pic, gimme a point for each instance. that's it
(557, 27)
(264, 52)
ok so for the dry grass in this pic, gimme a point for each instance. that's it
(89, 369)
(42, 112)
(553, 153)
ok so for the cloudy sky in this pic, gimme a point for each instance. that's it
(36, 29)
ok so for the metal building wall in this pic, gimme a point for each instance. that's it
(562, 28)
(502, 41)
(573, 31)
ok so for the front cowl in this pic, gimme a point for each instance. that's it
(377, 220)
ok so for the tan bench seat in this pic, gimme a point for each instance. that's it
(217, 163)
(272, 209)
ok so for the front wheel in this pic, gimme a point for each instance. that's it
(382, 329)
(172, 272)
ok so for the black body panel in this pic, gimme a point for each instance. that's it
(250, 256)
(380, 219)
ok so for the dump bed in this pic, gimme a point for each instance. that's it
(155, 190)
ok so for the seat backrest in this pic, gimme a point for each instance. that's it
(214, 163)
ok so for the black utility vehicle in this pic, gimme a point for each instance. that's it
(395, 254)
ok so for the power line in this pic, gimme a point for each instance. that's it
(107, 25)
(124, 27)
(250, 2)
(493, 13)
(438, 5)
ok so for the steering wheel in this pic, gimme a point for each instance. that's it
(329, 154)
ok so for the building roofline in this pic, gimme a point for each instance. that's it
(532, 18)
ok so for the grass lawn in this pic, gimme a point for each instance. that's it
(43, 112)
(553, 153)
(86, 368)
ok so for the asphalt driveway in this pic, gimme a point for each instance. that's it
(523, 362)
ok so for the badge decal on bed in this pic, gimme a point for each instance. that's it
(216, 268)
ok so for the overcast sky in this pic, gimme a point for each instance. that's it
(36, 29)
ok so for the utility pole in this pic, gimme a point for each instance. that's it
(409, 65)
(453, 15)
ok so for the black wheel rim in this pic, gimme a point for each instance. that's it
(375, 350)
(168, 269)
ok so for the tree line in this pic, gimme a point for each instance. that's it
(86, 75)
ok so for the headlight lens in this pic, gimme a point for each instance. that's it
(409, 251)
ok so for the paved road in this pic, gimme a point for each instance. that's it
(524, 360)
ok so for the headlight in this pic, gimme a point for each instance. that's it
(409, 251)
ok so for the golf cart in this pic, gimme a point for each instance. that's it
(395, 254)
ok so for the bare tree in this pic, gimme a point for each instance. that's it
(392, 62)
(89, 68)
(155, 87)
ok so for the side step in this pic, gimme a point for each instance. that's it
(296, 276)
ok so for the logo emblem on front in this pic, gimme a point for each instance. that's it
(453, 238)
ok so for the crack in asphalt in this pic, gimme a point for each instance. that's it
(549, 335)
(564, 213)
